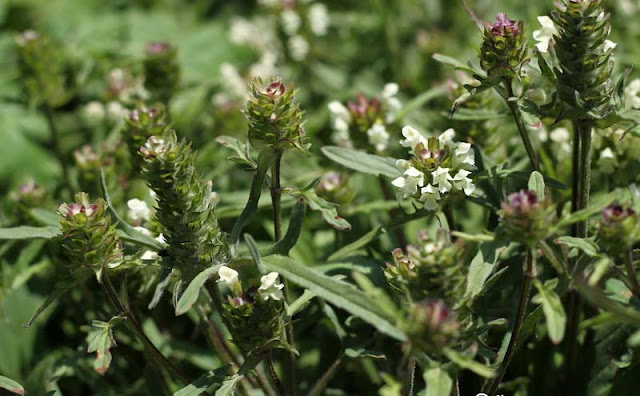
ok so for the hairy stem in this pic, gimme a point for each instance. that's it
(134, 325)
(529, 273)
(274, 376)
(322, 383)
(631, 272)
(276, 196)
(517, 117)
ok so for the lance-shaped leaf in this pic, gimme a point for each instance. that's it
(296, 219)
(204, 382)
(588, 246)
(11, 385)
(190, 296)
(536, 183)
(338, 293)
(26, 232)
(326, 208)
(363, 162)
(438, 382)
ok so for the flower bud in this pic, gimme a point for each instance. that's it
(139, 127)
(430, 325)
(42, 69)
(619, 229)
(525, 218)
(162, 71)
(504, 47)
(89, 237)
(275, 119)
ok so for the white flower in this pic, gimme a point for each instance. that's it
(442, 179)
(403, 165)
(462, 182)
(429, 195)
(390, 90)
(269, 288)
(116, 111)
(228, 275)
(608, 45)
(607, 161)
(319, 19)
(138, 210)
(298, 47)
(545, 35)
(412, 138)
(409, 182)
(393, 108)
(143, 230)
(560, 135)
(340, 134)
(631, 92)
(290, 21)
(464, 156)
(446, 137)
(94, 111)
(150, 254)
(339, 111)
(378, 137)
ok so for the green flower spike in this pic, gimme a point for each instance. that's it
(184, 205)
(504, 47)
(162, 71)
(141, 125)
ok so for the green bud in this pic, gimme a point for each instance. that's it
(184, 207)
(504, 47)
(430, 269)
(42, 69)
(89, 237)
(162, 71)
(585, 63)
(275, 119)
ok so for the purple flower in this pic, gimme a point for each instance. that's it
(503, 26)
(520, 203)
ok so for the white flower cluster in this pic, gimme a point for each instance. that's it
(632, 94)
(269, 286)
(430, 175)
(377, 134)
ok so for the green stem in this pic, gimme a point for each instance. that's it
(528, 275)
(631, 272)
(517, 117)
(274, 376)
(276, 195)
(585, 172)
(132, 323)
(322, 383)
(57, 147)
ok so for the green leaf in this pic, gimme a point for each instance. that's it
(300, 303)
(549, 182)
(588, 246)
(326, 208)
(536, 183)
(355, 353)
(239, 148)
(357, 244)
(190, 296)
(341, 294)
(362, 162)
(453, 62)
(437, 381)
(26, 232)
(265, 159)
(165, 276)
(101, 341)
(634, 340)
(552, 307)
(11, 385)
(204, 382)
(467, 362)
(255, 254)
(229, 385)
(595, 207)
(482, 266)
